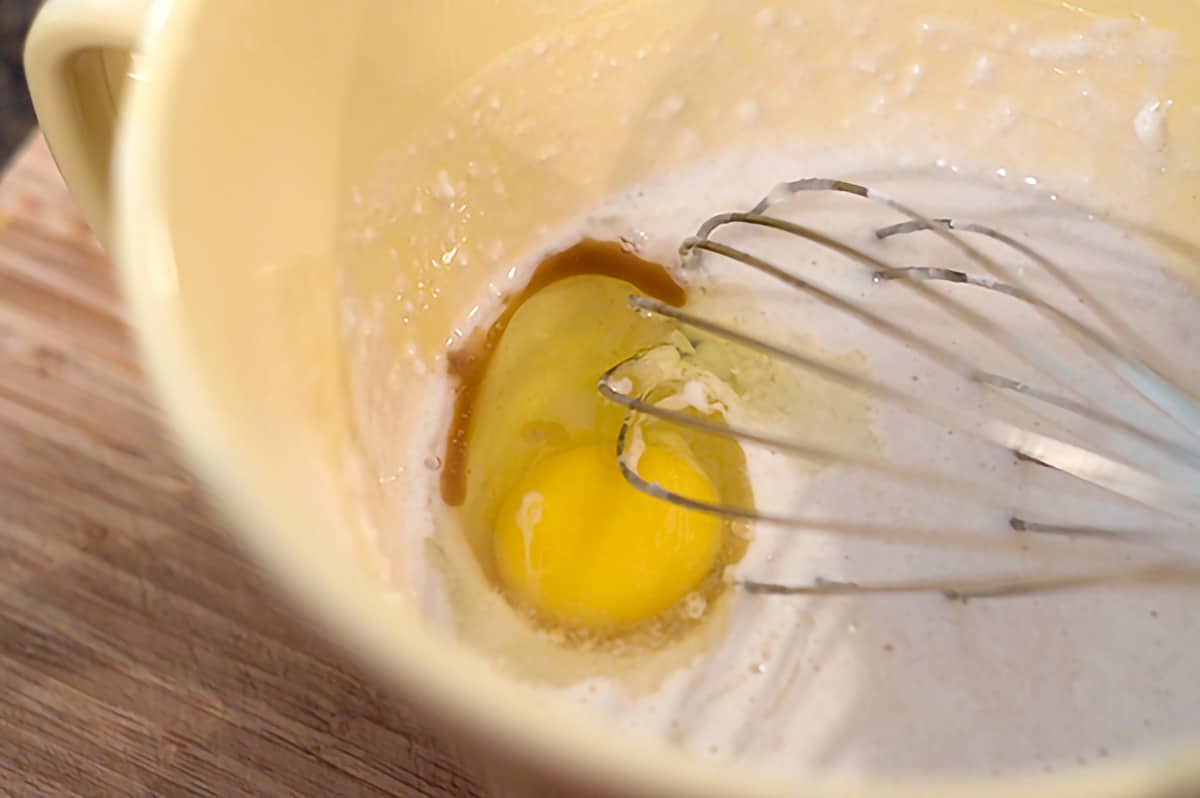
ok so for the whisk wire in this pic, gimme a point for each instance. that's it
(1134, 364)
(1088, 466)
(1137, 363)
(1174, 494)
(1089, 339)
(1161, 394)
(1002, 586)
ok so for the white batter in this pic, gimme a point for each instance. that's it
(914, 683)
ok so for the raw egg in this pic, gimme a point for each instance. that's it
(551, 519)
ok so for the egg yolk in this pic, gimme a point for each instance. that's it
(580, 545)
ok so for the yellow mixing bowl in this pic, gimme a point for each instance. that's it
(271, 158)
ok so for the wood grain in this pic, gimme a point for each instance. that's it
(140, 655)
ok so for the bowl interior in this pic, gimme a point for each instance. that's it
(317, 201)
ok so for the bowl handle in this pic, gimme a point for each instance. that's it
(77, 60)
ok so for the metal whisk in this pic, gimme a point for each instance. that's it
(1144, 445)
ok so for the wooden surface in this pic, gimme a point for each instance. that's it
(139, 653)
